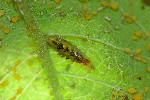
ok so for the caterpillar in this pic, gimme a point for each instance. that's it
(68, 50)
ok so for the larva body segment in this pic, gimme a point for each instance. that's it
(68, 50)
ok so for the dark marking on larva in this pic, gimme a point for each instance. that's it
(54, 42)
(72, 53)
(147, 2)
(60, 46)
(68, 50)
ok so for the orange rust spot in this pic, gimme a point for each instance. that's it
(30, 63)
(129, 18)
(105, 3)
(138, 51)
(19, 91)
(139, 58)
(13, 98)
(17, 76)
(114, 5)
(5, 29)
(87, 15)
(85, 7)
(132, 90)
(14, 68)
(148, 47)
(2, 12)
(148, 69)
(144, 60)
(4, 83)
(8, 1)
(57, 1)
(94, 12)
(138, 97)
(127, 50)
(135, 37)
(138, 33)
(15, 19)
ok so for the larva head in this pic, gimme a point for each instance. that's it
(87, 62)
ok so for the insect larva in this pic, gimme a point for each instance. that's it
(68, 50)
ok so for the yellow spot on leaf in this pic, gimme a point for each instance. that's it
(85, 7)
(148, 69)
(146, 89)
(114, 5)
(51, 6)
(5, 29)
(1, 37)
(13, 98)
(144, 60)
(57, 1)
(2, 12)
(128, 18)
(14, 69)
(4, 83)
(139, 58)
(135, 37)
(138, 33)
(30, 63)
(146, 35)
(132, 90)
(8, 1)
(127, 50)
(17, 76)
(105, 3)
(83, 1)
(19, 91)
(137, 96)
(87, 15)
(148, 47)
(138, 51)
(94, 12)
(18, 62)
(15, 19)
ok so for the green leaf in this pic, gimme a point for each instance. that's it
(114, 39)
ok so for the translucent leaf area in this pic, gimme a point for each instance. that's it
(114, 35)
